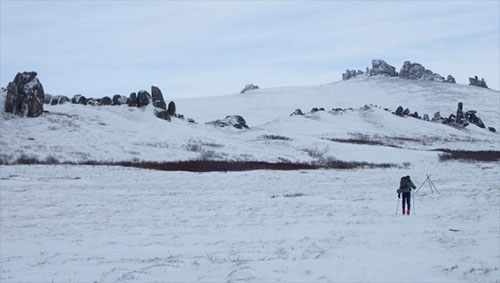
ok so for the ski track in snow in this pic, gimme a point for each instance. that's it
(112, 224)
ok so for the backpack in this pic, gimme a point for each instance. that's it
(403, 183)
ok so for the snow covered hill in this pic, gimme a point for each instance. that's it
(65, 223)
(78, 133)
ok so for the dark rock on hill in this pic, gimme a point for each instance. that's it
(232, 120)
(415, 71)
(79, 99)
(249, 87)
(106, 101)
(171, 108)
(157, 98)
(59, 100)
(380, 67)
(476, 82)
(25, 95)
(132, 100)
(143, 98)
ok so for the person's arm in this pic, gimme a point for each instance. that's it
(412, 185)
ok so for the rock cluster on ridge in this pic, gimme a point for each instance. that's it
(25, 95)
(412, 71)
(476, 82)
(381, 68)
(415, 71)
(249, 87)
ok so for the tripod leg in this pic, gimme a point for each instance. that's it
(435, 187)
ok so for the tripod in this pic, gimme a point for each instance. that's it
(431, 185)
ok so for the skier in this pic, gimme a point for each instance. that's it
(405, 187)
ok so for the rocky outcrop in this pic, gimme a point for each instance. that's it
(415, 71)
(476, 82)
(351, 74)
(106, 101)
(47, 98)
(381, 68)
(119, 99)
(235, 121)
(162, 114)
(79, 99)
(143, 98)
(297, 112)
(25, 95)
(171, 108)
(249, 87)
(157, 98)
(399, 111)
(132, 100)
(450, 79)
(59, 100)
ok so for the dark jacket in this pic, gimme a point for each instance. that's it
(406, 186)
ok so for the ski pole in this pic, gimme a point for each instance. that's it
(414, 203)
(397, 206)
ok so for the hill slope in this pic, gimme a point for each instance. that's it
(120, 133)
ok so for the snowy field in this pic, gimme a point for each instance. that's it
(111, 224)
(64, 223)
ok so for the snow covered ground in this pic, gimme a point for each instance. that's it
(81, 223)
(109, 224)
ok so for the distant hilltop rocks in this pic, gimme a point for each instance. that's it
(25, 95)
(476, 82)
(409, 70)
(249, 87)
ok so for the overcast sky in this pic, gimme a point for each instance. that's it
(216, 47)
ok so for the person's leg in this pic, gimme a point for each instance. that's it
(404, 203)
(408, 203)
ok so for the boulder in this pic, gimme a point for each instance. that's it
(79, 99)
(315, 109)
(415, 115)
(351, 74)
(480, 123)
(143, 98)
(476, 82)
(91, 101)
(297, 112)
(232, 120)
(491, 129)
(460, 113)
(106, 101)
(381, 68)
(249, 87)
(406, 112)
(426, 117)
(117, 100)
(25, 95)
(157, 98)
(59, 100)
(399, 111)
(437, 117)
(191, 120)
(171, 108)
(47, 98)
(132, 100)
(450, 79)
(415, 71)
(162, 113)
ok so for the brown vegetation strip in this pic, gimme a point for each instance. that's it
(362, 141)
(215, 166)
(468, 155)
